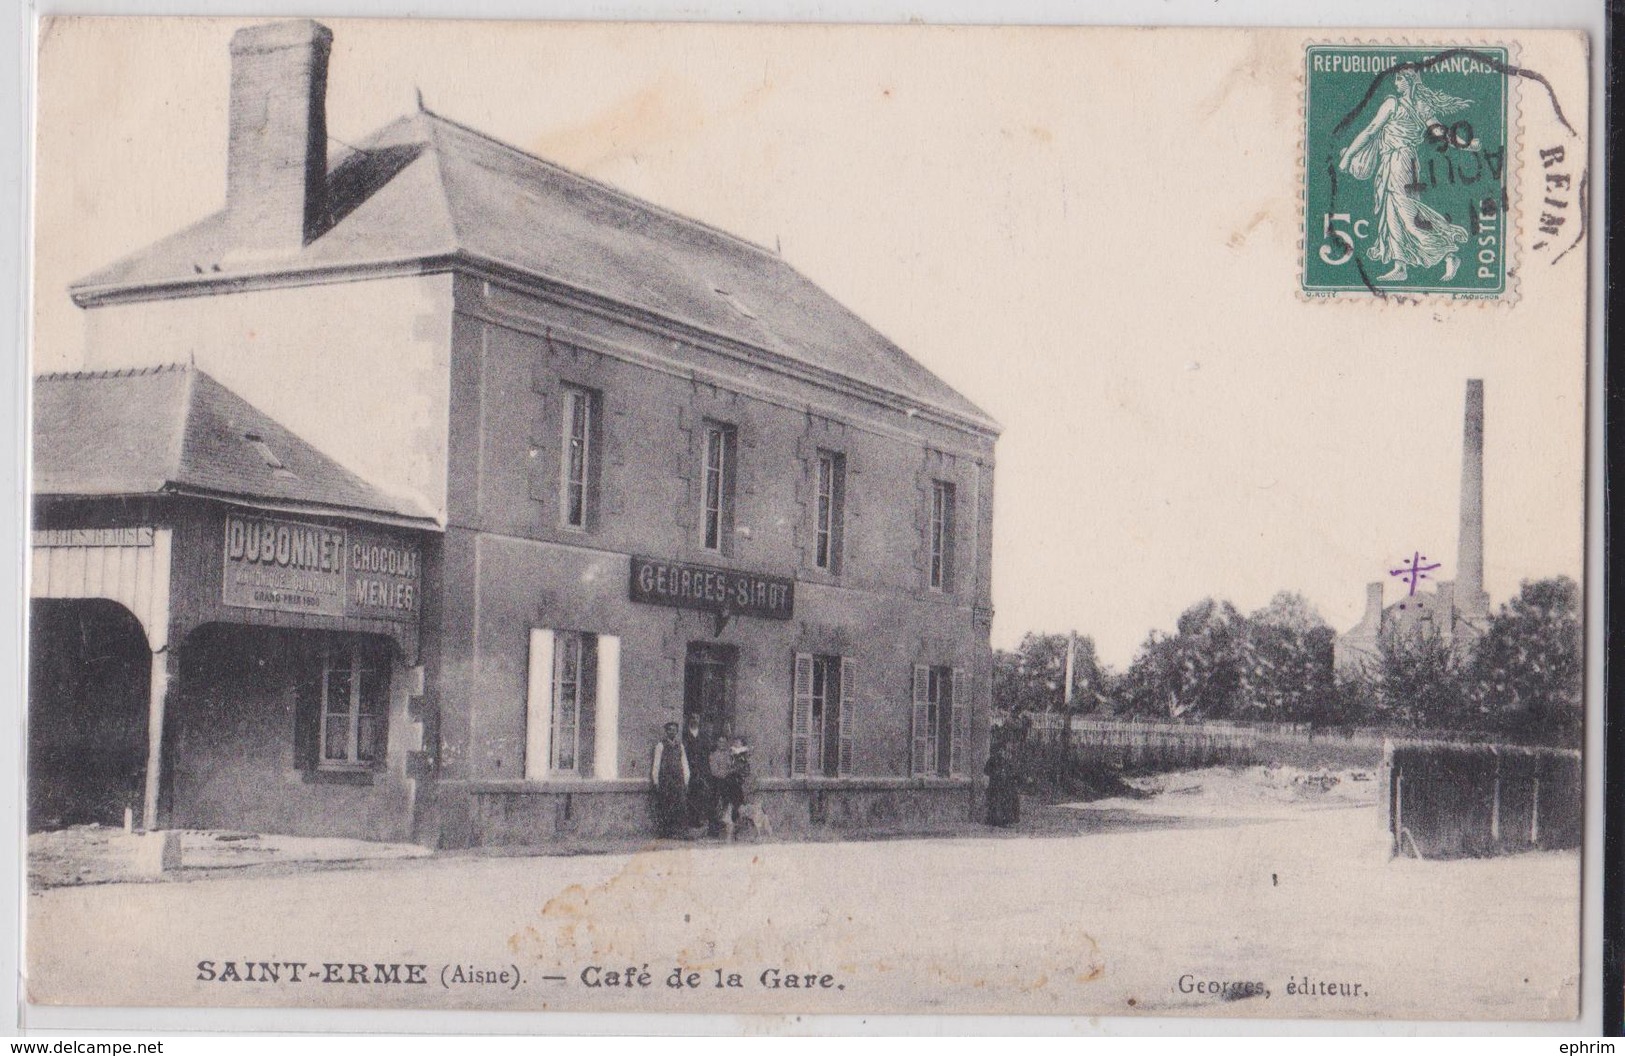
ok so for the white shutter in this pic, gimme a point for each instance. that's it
(801, 716)
(922, 762)
(539, 705)
(606, 743)
(959, 722)
(849, 705)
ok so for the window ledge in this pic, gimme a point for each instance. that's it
(357, 775)
(555, 786)
(858, 781)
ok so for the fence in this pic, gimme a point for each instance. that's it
(1135, 745)
(1446, 800)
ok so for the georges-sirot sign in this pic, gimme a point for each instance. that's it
(1407, 167)
(294, 566)
(719, 590)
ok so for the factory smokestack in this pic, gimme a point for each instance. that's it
(1470, 596)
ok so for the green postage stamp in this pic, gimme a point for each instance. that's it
(1407, 171)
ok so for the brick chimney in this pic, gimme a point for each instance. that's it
(276, 171)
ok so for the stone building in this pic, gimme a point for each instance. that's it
(630, 466)
(1456, 612)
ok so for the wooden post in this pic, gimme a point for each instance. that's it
(1399, 811)
(1495, 804)
(157, 698)
(1534, 810)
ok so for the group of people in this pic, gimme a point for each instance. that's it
(703, 784)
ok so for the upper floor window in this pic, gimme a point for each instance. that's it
(579, 457)
(831, 511)
(717, 487)
(942, 535)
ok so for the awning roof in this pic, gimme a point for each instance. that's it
(175, 430)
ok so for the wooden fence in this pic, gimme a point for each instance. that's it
(1448, 800)
(1134, 745)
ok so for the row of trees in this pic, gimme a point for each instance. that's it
(1521, 681)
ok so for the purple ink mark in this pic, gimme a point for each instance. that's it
(1414, 572)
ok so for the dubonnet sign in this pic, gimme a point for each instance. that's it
(292, 566)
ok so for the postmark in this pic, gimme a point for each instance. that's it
(1409, 171)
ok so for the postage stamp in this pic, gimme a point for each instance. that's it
(1408, 171)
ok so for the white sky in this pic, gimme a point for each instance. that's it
(1091, 233)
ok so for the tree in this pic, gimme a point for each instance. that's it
(1420, 680)
(1032, 677)
(1528, 668)
(1196, 671)
(1287, 674)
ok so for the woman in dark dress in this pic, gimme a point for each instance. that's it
(1003, 787)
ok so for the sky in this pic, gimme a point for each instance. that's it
(1093, 234)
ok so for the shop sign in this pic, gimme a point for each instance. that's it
(725, 591)
(293, 566)
(58, 537)
(385, 577)
(287, 566)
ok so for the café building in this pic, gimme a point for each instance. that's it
(525, 467)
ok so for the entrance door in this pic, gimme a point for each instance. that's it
(708, 678)
(88, 675)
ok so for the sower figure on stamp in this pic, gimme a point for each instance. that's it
(1409, 233)
(669, 776)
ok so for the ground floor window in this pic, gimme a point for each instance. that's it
(572, 705)
(354, 705)
(940, 721)
(822, 715)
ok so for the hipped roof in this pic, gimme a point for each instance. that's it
(426, 189)
(176, 430)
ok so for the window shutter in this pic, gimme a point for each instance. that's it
(922, 761)
(801, 716)
(539, 705)
(959, 730)
(607, 736)
(849, 707)
(307, 710)
(587, 708)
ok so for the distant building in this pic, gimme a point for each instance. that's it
(478, 473)
(1456, 612)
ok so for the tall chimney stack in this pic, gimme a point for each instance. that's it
(1470, 596)
(276, 166)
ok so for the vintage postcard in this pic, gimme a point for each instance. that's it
(807, 519)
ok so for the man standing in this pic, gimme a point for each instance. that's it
(701, 793)
(669, 777)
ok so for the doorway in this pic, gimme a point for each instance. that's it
(88, 672)
(708, 687)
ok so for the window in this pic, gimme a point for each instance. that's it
(578, 458)
(717, 487)
(572, 705)
(354, 706)
(942, 535)
(831, 511)
(941, 721)
(821, 717)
